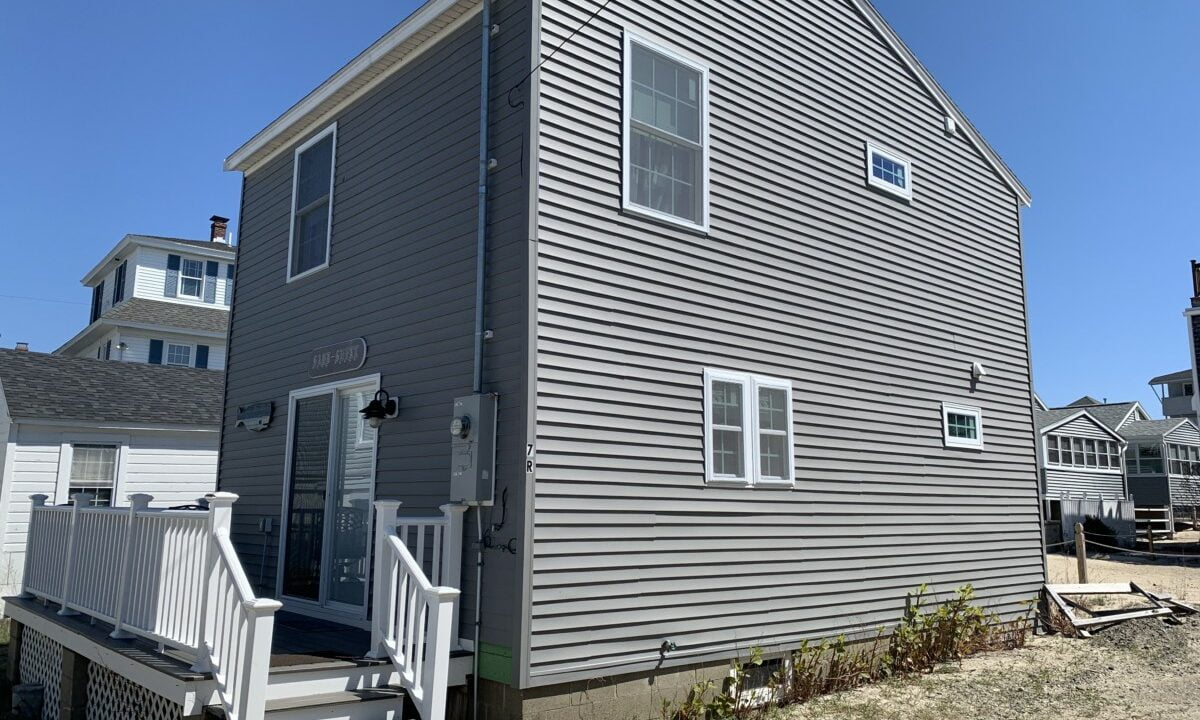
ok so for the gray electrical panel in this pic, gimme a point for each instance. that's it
(473, 450)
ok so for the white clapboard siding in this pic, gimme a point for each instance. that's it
(151, 276)
(138, 349)
(175, 467)
(874, 309)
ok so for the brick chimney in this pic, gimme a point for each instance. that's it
(220, 229)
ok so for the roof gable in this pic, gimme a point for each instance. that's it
(1048, 421)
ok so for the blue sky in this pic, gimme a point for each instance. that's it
(118, 117)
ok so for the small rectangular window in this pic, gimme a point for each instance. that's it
(889, 171)
(748, 421)
(666, 134)
(962, 425)
(191, 278)
(94, 471)
(312, 204)
(179, 355)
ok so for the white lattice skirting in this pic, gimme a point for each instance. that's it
(41, 662)
(112, 697)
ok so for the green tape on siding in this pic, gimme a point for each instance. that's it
(495, 663)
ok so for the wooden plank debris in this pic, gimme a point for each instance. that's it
(1083, 618)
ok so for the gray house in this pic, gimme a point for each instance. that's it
(723, 308)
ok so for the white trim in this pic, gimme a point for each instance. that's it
(113, 425)
(191, 353)
(750, 430)
(975, 443)
(304, 606)
(217, 251)
(62, 482)
(1082, 413)
(249, 156)
(906, 192)
(872, 16)
(327, 132)
(627, 205)
(1072, 467)
(179, 280)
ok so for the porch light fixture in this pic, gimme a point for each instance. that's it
(383, 407)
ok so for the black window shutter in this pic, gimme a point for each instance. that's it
(210, 281)
(202, 356)
(171, 287)
(97, 298)
(156, 352)
(119, 283)
(108, 349)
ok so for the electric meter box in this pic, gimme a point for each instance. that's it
(473, 450)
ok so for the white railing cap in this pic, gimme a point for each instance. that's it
(221, 498)
(442, 593)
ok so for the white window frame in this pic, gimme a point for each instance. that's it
(66, 454)
(1053, 437)
(179, 290)
(167, 353)
(905, 192)
(750, 430)
(331, 130)
(975, 443)
(627, 204)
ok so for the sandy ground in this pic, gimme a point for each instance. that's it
(1141, 669)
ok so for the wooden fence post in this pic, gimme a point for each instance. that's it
(1081, 553)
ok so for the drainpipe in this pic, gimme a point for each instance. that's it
(482, 204)
(485, 75)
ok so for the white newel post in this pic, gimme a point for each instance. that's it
(435, 674)
(220, 518)
(39, 501)
(260, 631)
(452, 559)
(137, 503)
(384, 590)
(80, 501)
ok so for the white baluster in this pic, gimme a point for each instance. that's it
(137, 503)
(385, 581)
(35, 516)
(80, 500)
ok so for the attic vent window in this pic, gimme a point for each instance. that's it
(962, 425)
(889, 171)
(666, 135)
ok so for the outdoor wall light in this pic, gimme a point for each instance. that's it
(383, 407)
(978, 370)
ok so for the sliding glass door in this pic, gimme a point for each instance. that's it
(331, 478)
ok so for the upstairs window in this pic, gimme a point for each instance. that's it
(889, 171)
(180, 355)
(1063, 451)
(191, 278)
(748, 429)
(312, 204)
(962, 425)
(93, 470)
(666, 135)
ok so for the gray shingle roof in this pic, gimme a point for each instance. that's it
(157, 312)
(55, 387)
(1181, 376)
(1111, 414)
(1085, 401)
(1042, 418)
(1150, 428)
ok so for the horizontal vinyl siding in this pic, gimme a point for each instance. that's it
(1083, 427)
(402, 276)
(150, 279)
(138, 349)
(1090, 483)
(873, 308)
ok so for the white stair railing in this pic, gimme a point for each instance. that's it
(179, 584)
(415, 622)
(238, 627)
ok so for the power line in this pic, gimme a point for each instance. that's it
(560, 46)
(38, 299)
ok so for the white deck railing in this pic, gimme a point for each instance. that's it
(170, 576)
(415, 619)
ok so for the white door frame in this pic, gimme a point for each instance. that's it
(303, 606)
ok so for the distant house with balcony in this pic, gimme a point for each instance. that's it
(1176, 392)
(160, 300)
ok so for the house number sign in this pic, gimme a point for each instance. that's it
(333, 359)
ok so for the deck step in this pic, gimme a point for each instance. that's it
(383, 703)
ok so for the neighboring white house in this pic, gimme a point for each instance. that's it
(69, 425)
(159, 300)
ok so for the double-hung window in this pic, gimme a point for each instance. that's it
(191, 278)
(180, 355)
(889, 171)
(962, 425)
(666, 135)
(312, 204)
(94, 471)
(748, 429)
